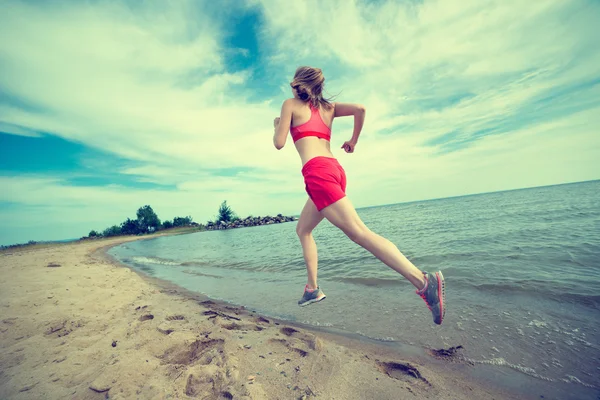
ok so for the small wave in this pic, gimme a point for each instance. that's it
(192, 272)
(538, 288)
(154, 260)
(575, 335)
(373, 281)
(195, 264)
(380, 339)
(316, 323)
(529, 371)
(538, 324)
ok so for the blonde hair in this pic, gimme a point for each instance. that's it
(309, 83)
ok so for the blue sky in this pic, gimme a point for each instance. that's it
(106, 106)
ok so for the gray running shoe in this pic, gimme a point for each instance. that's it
(434, 295)
(311, 297)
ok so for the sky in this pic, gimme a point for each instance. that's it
(106, 106)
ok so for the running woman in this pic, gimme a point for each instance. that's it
(308, 116)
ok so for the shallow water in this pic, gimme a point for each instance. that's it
(522, 270)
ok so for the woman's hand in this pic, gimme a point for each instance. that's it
(349, 146)
(276, 122)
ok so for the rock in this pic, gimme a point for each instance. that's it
(104, 382)
(446, 353)
(53, 265)
(100, 388)
(249, 221)
(100, 385)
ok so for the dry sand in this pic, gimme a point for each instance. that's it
(74, 324)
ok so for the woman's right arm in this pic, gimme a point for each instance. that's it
(359, 111)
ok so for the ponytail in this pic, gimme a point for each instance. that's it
(309, 86)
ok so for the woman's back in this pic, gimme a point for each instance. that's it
(311, 129)
(309, 117)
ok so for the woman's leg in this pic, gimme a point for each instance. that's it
(309, 219)
(343, 215)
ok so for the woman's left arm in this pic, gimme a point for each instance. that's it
(282, 124)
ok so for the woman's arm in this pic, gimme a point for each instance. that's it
(282, 124)
(359, 111)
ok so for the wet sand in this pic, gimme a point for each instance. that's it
(75, 324)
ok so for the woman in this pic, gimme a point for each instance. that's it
(309, 116)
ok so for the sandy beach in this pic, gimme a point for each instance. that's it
(75, 324)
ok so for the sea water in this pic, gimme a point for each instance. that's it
(522, 269)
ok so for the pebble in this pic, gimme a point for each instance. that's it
(100, 387)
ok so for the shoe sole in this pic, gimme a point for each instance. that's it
(441, 294)
(312, 301)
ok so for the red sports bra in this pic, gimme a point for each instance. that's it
(313, 127)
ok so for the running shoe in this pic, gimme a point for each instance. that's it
(434, 295)
(310, 297)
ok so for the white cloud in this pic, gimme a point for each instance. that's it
(406, 61)
(129, 82)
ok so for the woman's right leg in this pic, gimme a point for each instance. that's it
(431, 288)
(309, 219)
(343, 215)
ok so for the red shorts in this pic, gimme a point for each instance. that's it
(325, 181)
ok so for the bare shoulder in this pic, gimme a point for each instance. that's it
(346, 109)
(292, 101)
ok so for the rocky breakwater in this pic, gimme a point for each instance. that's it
(249, 221)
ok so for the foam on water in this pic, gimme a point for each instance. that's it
(499, 361)
(153, 260)
(379, 339)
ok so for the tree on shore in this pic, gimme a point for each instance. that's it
(182, 221)
(147, 219)
(130, 227)
(114, 230)
(226, 214)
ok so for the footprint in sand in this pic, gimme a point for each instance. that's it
(299, 342)
(234, 326)
(175, 318)
(203, 352)
(402, 371)
(146, 317)
(173, 323)
(262, 320)
(208, 386)
(63, 327)
(313, 342)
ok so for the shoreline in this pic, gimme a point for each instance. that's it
(90, 328)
